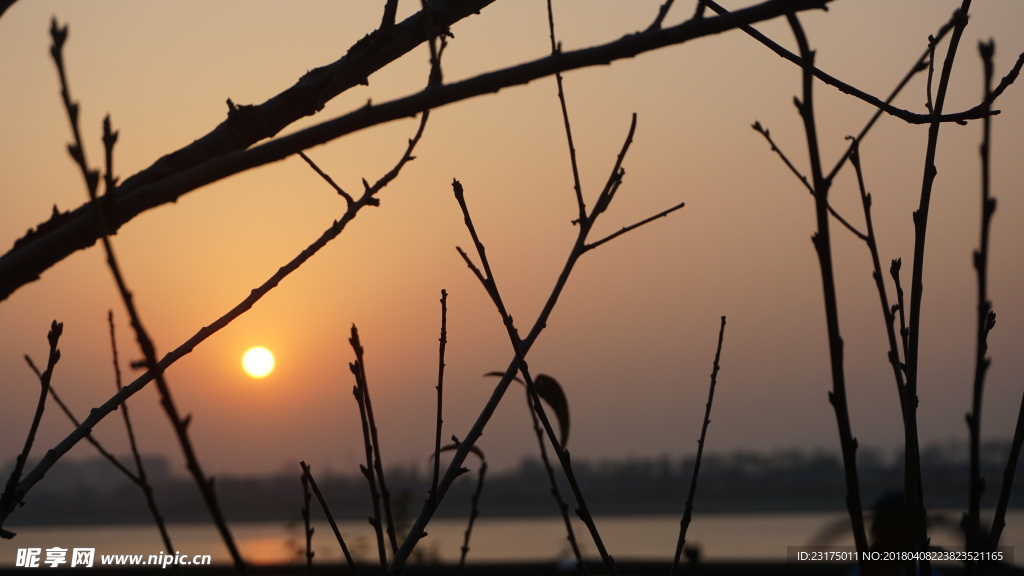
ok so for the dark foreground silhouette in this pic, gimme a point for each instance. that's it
(626, 568)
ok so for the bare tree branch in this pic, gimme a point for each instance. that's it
(67, 232)
(5, 4)
(179, 423)
(974, 113)
(684, 523)
(306, 473)
(96, 414)
(986, 321)
(11, 496)
(823, 247)
(912, 471)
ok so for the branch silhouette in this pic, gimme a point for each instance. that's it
(66, 232)
(888, 311)
(684, 523)
(368, 198)
(521, 347)
(977, 112)
(976, 539)
(912, 480)
(138, 478)
(179, 424)
(12, 496)
(307, 474)
(823, 248)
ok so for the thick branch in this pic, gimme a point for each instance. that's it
(66, 233)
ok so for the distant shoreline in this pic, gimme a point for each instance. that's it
(93, 492)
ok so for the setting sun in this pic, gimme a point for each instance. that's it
(258, 362)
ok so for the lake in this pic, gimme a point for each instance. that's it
(720, 537)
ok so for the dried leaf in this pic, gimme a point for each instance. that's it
(550, 391)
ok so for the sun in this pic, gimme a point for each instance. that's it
(258, 362)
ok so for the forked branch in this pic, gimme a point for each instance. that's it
(12, 496)
(368, 198)
(53, 240)
(913, 484)
(373, 470)
(888, 311)
(308, 475)
(178, 423)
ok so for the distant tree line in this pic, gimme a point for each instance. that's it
(89, 491)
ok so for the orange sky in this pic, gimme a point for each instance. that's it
(632, 339)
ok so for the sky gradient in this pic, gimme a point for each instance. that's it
(633, 337)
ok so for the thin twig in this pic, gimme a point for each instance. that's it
(378, 462)
(999, 518)
(307, 473)
(823, 247)
(71, 416)
(888, 312)
(536, 411)
(308, 527)
(917, 67)
(369, 469)
(986, 321)
(486, 276)
(663, 12)
(139, 479)
(929, 103)
(474, 510)
(912, 476)
(604, 199)
(443, 341)
(11, 496)
(436, 79)
(894, 271)
(326, 177)
(981, 262)
(556, 49)
(782, 155)
(624, 229)
(688, 510)
(143, 481)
